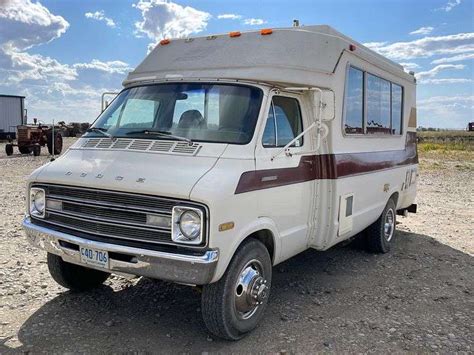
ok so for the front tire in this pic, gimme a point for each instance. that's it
(234, 305)
(74, 277)
(9, 149)
(381, 233)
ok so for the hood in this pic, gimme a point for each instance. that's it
(151, 173)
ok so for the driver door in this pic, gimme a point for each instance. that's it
(286, 195)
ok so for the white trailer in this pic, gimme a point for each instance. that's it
(11, 114)
(226, 155)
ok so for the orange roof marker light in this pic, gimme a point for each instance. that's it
(234, 34)
(164, 42)
(266, 31)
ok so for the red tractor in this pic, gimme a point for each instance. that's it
(30, 138)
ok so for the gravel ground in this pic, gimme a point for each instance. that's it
(418, 298)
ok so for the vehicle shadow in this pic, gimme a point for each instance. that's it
(321, 301)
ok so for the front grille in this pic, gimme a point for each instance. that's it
(22, 134)
(115, 215)
(109, 230)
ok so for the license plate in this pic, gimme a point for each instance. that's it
(94, 257)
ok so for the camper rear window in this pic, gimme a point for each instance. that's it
(372, 105)
(218, 113)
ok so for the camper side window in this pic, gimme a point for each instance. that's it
(354, 123)
(284, 123)
(372, 105)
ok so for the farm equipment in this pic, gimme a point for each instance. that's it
(30, 139)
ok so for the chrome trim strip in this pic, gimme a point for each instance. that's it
(68, 226)
(181, 268)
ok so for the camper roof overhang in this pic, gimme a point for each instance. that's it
(295, 55)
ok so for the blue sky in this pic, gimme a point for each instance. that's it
(62, 54)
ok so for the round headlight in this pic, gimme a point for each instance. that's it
(190, 224)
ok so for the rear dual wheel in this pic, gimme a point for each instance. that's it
(380, 235)
(234, 305)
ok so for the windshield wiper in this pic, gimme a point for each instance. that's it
(161, 134)
(100, 130)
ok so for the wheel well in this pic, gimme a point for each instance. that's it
(266, 237)
(394, 197)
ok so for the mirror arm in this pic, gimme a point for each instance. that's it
(285, 148)
(316, 124)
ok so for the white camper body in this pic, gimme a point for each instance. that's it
(220, 197)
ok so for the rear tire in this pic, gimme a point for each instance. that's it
(234, 305)
(381, 233)
(9, 149)
(74, 277)
(58, 144)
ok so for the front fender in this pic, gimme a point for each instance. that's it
(262, 223)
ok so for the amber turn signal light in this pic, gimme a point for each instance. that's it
(164, 42)
(234, 34)
(266, 31)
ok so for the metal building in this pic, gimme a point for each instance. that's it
(11, 114)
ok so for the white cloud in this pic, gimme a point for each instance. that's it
(166, 19)
(25, 66)
(446, 81)
(450, 5)
(435, 71)
(409, 66)
(426, 47)
(422, 31)
(54, 90)
(25, 24)
(456, 58)
(100, 16)
(254, 21)
(112, 67)
(229, 17)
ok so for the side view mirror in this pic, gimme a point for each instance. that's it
(327, 99)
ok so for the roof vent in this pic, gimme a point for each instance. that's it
(296, 23)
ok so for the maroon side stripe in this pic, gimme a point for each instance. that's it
(329, 166)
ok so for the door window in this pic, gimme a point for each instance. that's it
(284, 123)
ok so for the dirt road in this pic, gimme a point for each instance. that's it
(418, 298)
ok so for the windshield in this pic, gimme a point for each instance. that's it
(199, 112)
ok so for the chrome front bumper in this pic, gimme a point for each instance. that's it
(180, 268)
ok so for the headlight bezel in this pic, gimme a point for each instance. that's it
(32, 202)
(177, 234)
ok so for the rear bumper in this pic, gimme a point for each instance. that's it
(180, 268)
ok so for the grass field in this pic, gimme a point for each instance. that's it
(446, 150)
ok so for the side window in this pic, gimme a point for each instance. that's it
(397, 94)
(378, 105)
(354, 102)
(284, 123)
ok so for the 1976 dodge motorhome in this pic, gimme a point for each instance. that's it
(226, 155)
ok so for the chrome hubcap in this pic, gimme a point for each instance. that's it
(250, 290)
(389, 225)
